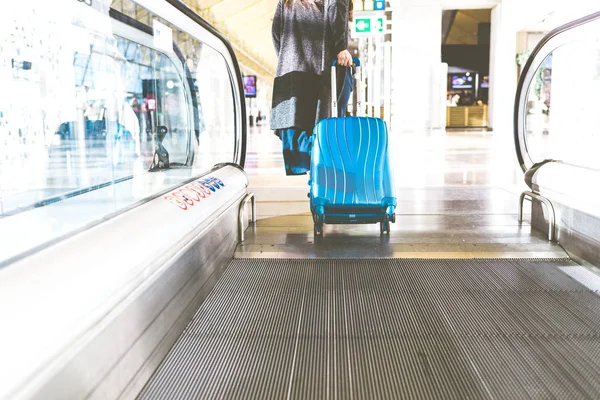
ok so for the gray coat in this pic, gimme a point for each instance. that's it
(306, 40)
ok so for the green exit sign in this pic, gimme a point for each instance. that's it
(362, 25)
(369, 24)
(379, 24)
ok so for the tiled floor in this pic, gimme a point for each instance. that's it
(457, 198)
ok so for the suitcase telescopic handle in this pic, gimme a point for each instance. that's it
(334, 95)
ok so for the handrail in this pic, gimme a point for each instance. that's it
(240, 150)
(525, 80)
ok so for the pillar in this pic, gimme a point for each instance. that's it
(503, 67)
(416, 58)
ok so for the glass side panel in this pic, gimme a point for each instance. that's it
(215, 94)
(563, 102)
(212, 100)
(99, 114)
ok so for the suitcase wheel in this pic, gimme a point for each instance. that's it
(318, 228)
(384, 226)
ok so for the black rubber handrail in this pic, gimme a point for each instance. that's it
(200, 21)
(524, 82)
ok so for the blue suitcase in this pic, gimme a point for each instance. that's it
(351, 180)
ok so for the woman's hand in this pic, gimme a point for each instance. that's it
(344, 58)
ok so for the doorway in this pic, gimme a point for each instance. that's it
(466, 51)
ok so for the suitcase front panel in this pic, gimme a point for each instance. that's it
(350, 162)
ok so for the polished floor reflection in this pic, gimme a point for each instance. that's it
(457, 198)
(35, 173)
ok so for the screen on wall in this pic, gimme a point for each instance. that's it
(462, 81)
(249, 85)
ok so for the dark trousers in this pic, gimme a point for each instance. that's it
(296, 145)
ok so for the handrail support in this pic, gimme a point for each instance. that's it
(248, 197)
(549, 208)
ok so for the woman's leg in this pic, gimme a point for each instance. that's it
(296, 145)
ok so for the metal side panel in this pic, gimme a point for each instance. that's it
(577, 232)
(198, 268)
(93, 315)
(388, 328)
(156, 314)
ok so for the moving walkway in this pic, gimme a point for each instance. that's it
(148, 301)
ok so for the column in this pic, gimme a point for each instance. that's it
(503, 67)
(416, 56)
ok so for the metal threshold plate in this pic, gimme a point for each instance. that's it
(388, 328)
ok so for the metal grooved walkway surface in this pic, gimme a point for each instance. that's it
(362, 329)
